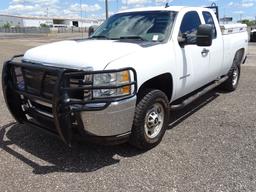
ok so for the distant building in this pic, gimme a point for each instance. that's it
(29, 21)
(226, 20)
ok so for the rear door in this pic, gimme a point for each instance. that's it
(216, 49)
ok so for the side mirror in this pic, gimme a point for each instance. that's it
(204, 35)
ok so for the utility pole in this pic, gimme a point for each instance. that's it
(117, 5)
(81, 18)
(106, 7)
(47, 12)
(81, 9)
(47, 19)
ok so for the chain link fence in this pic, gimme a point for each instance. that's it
(43, 30)
(24, 30)
(69, 30)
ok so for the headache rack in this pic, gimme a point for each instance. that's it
(54, 96)
(215, 9)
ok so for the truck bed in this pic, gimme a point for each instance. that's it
(235, 36)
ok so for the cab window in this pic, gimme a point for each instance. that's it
(189, 26)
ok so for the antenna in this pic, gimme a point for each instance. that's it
(215, 9)
(167, 4)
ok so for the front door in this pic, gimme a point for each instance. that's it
(195, 70)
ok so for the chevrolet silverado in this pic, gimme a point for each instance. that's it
(121, 83)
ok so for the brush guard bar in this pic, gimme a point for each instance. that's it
(51, 85)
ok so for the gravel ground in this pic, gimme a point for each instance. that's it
(210, 146)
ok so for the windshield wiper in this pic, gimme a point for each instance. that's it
(133, 37)
(99, 37)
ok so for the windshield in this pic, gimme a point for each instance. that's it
(146, 26)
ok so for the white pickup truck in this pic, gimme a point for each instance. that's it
(121, 83)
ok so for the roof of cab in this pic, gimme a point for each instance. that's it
(162, 8)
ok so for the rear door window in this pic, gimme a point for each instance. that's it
(209, 20)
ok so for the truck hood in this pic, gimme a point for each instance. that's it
(94, 54)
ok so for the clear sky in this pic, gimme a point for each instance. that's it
(95, 8)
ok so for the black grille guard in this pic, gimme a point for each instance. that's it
(63, 107)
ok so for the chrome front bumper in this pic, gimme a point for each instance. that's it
(116, 119)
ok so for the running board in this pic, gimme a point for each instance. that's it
(198, 94)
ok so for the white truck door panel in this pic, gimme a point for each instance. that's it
(198, 59)
(215, 55)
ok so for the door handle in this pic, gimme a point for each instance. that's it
(205, 52)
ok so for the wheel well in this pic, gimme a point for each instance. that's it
(162, 82)
(239, 56)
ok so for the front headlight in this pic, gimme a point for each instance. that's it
(112, 80)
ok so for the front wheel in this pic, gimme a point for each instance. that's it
(151, 120)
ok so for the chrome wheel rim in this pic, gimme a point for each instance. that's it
(154, 121)
(235, 76)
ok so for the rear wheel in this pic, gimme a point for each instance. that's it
(151, 120)
(234, 75)
(233, 79)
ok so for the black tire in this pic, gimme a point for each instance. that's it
(232, 82)
(152, 102)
